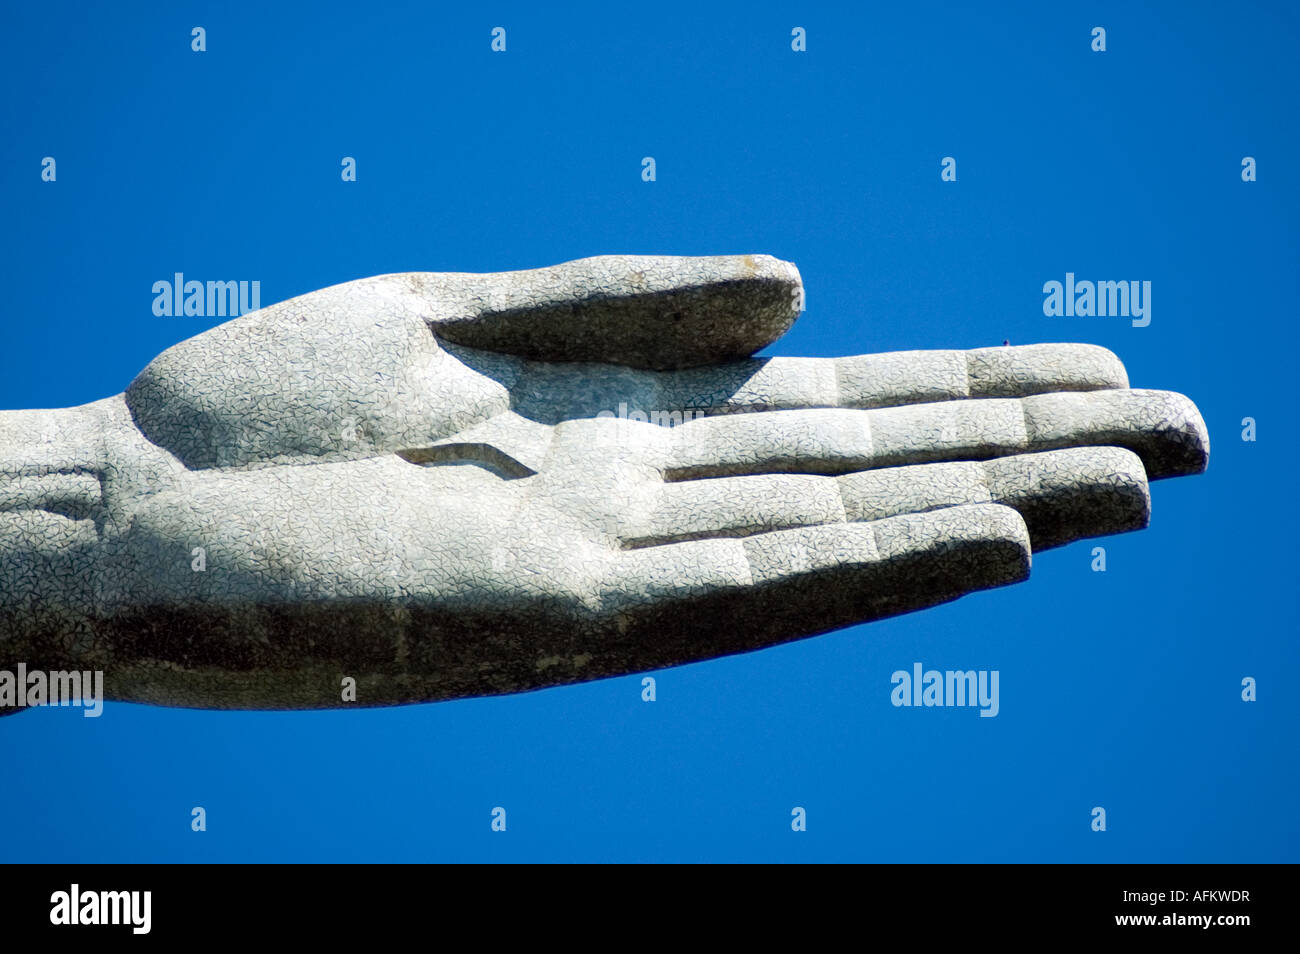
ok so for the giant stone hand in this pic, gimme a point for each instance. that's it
(448, 485)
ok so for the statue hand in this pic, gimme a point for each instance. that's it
(447, 485)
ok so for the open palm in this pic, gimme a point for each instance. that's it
(446, 485)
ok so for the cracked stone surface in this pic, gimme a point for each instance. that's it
(451, 485)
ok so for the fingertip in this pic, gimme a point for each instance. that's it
(1163, 427)
(1038, 368)
(1066, 495)
(979, 545)
(1182, 446)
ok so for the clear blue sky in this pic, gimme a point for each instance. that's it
(1118, 689)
